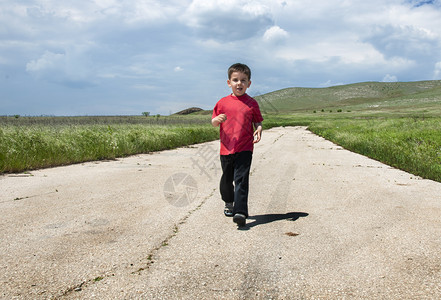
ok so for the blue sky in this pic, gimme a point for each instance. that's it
(109, 57)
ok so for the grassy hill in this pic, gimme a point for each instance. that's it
(403, 97)
(396, 123)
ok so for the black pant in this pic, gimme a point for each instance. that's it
(236, 168)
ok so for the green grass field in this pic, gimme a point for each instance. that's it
(395, 123)
(410, 144)
(374, 97)
(46, 142)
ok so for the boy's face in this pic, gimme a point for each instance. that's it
(239, 83)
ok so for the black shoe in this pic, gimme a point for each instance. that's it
(228, 210)
(239, 219)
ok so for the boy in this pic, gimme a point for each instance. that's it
(240, 123)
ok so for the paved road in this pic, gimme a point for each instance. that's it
(324, 223)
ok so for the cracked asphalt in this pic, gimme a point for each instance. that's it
(325, 223)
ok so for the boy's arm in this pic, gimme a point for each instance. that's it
(257, 132)
(218, 119)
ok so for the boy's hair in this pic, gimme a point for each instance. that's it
(239, 68)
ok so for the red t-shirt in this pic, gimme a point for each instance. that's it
(236, 133)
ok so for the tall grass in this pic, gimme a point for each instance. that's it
(31, 147)
(410, 144)
(28, 143)
(104, 120)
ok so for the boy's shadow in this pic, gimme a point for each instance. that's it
(268, 218)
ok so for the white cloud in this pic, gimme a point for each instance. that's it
(437, 71)
(404, 41)
(144, 87)
(62, 68)
(343, 49)
(330, 83)
(275, 34)
(227, 20)
(390, 78)
(178, 69)
(85, 12)
(47, 62)
(210, 44)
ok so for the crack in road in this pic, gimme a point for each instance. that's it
(150, 256)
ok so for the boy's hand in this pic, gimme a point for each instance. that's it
(258, 133)
(219, 119)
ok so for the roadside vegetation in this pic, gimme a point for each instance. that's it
(410, 144)
(54, 142)
(398, 124)
(395, 123)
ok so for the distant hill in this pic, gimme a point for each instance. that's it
(417, 96)
(355, 97)
(189, 111)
